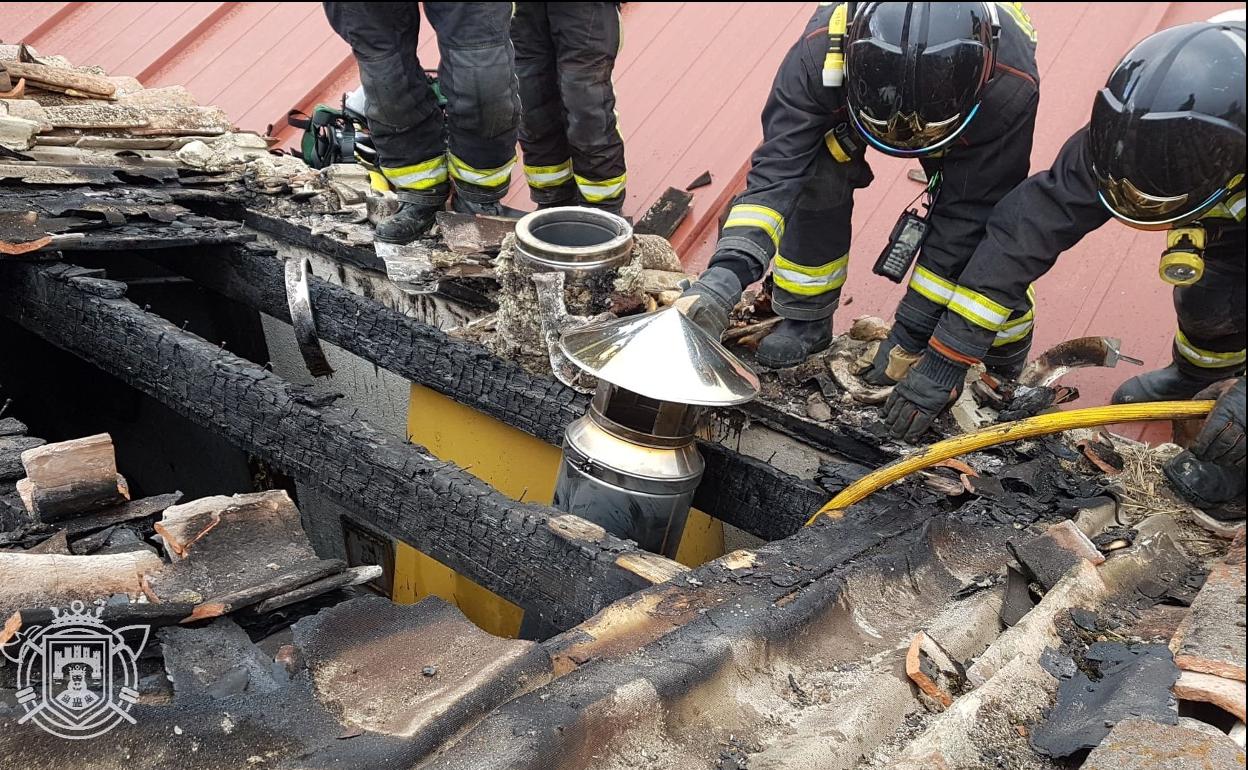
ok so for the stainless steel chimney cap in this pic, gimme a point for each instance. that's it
(661, 355)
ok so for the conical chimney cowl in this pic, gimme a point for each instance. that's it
(661, 355)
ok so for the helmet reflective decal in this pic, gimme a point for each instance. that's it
(868, 128)
(1126, 197)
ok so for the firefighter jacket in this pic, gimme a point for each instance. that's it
(1051, 212)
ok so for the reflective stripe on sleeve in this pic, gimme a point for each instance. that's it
(1020, 327)
(1231, 208)
(978, 309)
(932, 286)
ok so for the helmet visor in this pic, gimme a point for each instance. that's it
(912, 113)
(1164, 168)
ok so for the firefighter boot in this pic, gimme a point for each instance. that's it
(411, 221)
(484, 208)
(793, 342)
(1168, 384)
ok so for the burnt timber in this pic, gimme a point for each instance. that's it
(739, 490)
(559, 567)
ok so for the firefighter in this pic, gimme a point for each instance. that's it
(1164, 150)
(573, 152)
(952, 84)
(422, 150)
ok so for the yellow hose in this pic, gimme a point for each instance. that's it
(1011, 431)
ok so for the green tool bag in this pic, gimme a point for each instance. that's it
(328, 136)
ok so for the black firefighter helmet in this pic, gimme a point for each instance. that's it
(916, 72)
(1167, 130)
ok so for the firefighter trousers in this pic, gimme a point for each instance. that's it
(565, 54)
(420, 147)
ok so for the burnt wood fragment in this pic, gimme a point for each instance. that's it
(283, 582)
(348, 577)
(131, 510)
(666, 214)
(116, 614)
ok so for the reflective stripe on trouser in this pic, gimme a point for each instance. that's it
(1018, 328)
(544, 177)
(419, 176)
(808, 281)
(757, 217)
(489, 178)
(1207, 359)
(593, 191)
(807, 292)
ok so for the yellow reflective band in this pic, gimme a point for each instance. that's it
(1206, 359)
(806, 280)
(978, 309)
(932, 286)
(765, 219)
(1020, 327)
(1232, 208)
(596, 192)
(834, 147)
(1012, 333)
(420, 176)
(378, 181)
(548, 176)
(1020, 17)
(482, 177)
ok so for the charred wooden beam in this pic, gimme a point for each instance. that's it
(739, 490)
(560, 567)
(667, 642)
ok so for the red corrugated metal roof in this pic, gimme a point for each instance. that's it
(690, 81)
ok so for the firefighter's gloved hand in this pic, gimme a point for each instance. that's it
(927, 390)
(1221, 438)
(893, 358)
(717, 290)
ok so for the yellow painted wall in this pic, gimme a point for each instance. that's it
(521, 467)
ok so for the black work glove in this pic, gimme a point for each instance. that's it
(1221, 438)
(928, 389)
(898, 337)
(718, 290)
